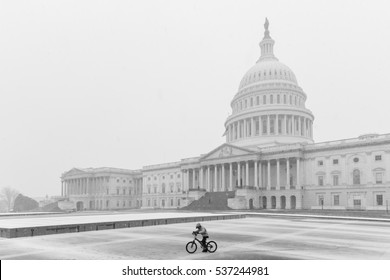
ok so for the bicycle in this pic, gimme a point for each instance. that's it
(191, 246)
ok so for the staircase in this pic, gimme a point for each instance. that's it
(211, 201)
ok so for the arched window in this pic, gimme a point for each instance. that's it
(284, 99)
(278, 99)
(356, 177)
(257, 100)
(264, 99)
(271, 99)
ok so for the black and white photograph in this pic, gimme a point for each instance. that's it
(172, 131)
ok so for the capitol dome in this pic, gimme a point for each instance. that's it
(269, 106)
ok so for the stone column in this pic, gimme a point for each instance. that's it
(287, 174)
(260, 176)
(298, 174)
(285, 124)
(201, 177)
(208, 179)
(268, 125)
(268, 175)
(193, 178)
(247, 173)
(300, 125)
(239, 174)
(255, 173)
(253, 130)
(277, 174)
(215, 189)
(231, 176)
(238, 129)
(223, 186)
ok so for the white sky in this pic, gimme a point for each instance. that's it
(133, 83)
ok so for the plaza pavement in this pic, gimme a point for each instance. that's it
(260, 237)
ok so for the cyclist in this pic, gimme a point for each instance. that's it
(202, 230)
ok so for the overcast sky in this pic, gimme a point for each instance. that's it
(132, 83)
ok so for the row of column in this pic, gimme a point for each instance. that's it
(270, 125)
(94, 185)
(213, 177)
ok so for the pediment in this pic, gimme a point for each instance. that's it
(227, 150)
(74, 171)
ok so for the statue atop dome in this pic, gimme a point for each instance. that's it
(266, 24)
(266, 32)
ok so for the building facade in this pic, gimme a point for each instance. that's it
(269, 159)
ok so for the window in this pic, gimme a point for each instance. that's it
(171, 176)
(124, 191)
(117, 203)
(178, 175)
(356, 177)
(378, 158)
(336, 200)
(284, 99)
(124, 181)
(148, 189)
(356, 160)
(335, 161)
(117, 180)
(246, 103)
(107, 203)
(171, 201)
(379, 199)
(278, 99)
(163, 177)
(321, 200)
(335, 180)
(124, 204)
(163, 188)
(257, 100)
(117, 191)
(251, 101)
(154, 203)
(148, 202)
(271, 99)
(178, 202)
(320, 163)
(264, 99)
(155, 189)
(378, 178)
(320, 180)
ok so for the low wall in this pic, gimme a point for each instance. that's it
(46, 230)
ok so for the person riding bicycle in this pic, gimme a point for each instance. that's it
(203, 231)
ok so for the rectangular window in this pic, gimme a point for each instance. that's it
(320, 163)
(336, 200)
(335, 180)
(378, 177)
(320, 180)
(320, 200)
(379, 199)
(378, 158)
(335, 161)
(124, 191)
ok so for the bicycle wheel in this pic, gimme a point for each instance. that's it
(212, 246)
(191, 247)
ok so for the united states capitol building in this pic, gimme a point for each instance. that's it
(269, 160)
